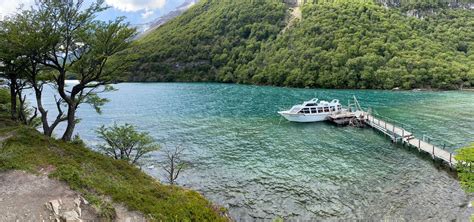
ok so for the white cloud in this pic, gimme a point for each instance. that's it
(147, 13)
(9, 7)
(136, 5)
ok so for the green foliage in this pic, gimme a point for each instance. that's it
(96, 175)
(56, 40)
(4, 101)
(126, 143)
(207, 43)
(104, 208)
(337, 44)
(465, 158)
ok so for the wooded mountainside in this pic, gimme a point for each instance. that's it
(336, 44)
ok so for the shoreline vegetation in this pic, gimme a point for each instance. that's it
(101, 180)
(469, 89)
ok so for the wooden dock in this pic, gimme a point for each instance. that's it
(398, 134)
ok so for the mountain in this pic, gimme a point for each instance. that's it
(173, 14)
(413, 4)
(335, 44)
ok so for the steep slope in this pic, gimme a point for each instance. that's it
(96, 177)
(336, 44)
(352, 45)
(207, 42)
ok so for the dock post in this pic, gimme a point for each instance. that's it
(419, 145)
(450, 157)
(385, 125)
(433, 152)
(444, 146)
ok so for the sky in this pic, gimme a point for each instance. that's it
(137, 12)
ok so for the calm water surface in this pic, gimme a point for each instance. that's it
(248, 159)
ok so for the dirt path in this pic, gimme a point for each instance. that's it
(295, 16)
(27, 197)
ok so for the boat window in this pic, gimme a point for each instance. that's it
(333, 108)
(313, 110)
(320, 109)
(311, 104)
(338, 107)
(305, 110)
(326, 109)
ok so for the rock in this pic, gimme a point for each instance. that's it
(84, 201)
(78, 210)
(77, 201)
(55, 205)
(396, 89)
(70, 216)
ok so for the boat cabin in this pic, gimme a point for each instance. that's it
(315, 107)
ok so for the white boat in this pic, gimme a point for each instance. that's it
(312, 111)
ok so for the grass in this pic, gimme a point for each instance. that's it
(95, 175)
(465, 158)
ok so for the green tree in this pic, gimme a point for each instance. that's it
(126, 143)
(24, 35)
(11, 67)
(80, 45)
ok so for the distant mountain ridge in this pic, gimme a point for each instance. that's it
(465, 4)
(173, 14)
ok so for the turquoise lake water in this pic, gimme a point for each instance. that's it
(245, 157)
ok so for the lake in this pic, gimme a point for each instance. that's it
(245, 157)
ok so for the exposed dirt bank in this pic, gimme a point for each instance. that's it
(28, 197)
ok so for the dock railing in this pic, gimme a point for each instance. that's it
(397, 134)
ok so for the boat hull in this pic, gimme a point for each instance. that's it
(304, 118)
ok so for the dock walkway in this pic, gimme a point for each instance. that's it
(398, 134)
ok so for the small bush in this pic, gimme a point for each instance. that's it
(465, 158)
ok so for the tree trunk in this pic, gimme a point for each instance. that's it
(71, 122)
(13, 95)
(44, 114)
(21, 108)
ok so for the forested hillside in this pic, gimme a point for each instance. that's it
(207, 41)
(337, 44)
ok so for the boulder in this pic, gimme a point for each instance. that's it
(55, 206)
(70, 216)
(77, 202)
